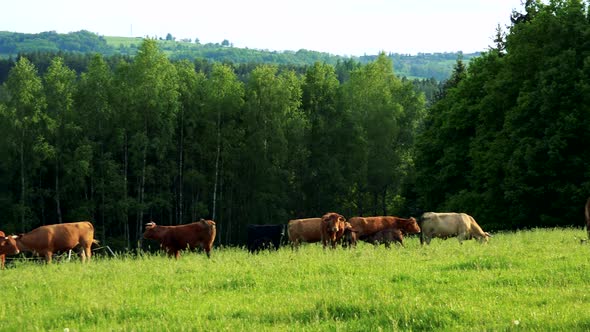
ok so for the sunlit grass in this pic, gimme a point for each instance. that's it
(533, 280)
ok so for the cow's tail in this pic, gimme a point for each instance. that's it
(95, 241)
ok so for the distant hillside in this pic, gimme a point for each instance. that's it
(424, 65)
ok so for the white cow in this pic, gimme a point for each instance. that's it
(450, 224)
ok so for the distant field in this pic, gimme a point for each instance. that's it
(532, 280)
(125, 41)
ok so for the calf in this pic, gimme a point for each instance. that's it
(264, 237)
(385, 236)
(449, 224)
(176, 238)
(49, 239)
(349, 237)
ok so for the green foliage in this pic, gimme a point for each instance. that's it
(387, 112)
(422, 65)
(516, 281)
(149, 139)
(506, 141)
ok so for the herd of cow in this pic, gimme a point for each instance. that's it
(331, 229)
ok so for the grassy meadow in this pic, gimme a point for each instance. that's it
(536, 280)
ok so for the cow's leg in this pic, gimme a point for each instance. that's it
(2, 261)
(324, 242)
(207, 249)
(333, 242)
(172, 252)
(462, 237)
(88, 251)
(48, 255)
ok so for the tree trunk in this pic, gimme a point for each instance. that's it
(180, 169)
(217, 163)
(384, 201)
(22, 181)
(141, 189)
(125, 198)
(57, 196)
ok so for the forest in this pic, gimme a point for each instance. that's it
(418, 66)
(128, 139)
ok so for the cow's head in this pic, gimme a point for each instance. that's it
(333, 222)
(410, 226)
(149, 230)
(484, 238)
(8, 245)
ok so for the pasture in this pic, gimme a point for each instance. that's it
(536, 280)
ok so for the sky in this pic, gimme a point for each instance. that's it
(339, 27)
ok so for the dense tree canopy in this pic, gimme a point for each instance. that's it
(507, 140)
(147, 139)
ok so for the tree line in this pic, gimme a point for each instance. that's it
(145, 138)
(421, 66)
(155, 139)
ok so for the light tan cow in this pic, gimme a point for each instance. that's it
(450, 224)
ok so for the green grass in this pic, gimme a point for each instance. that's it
(125, 41)
(532, 280)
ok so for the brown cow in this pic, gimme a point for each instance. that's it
(176, 238)
(365, 226)
(310, 230)
(304, 230)
(587, 213)
(332, 228)
(7, 247)
(49, 239)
